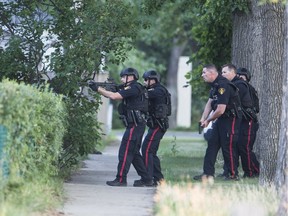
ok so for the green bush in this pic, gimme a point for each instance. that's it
(35, 123)
(83, 131)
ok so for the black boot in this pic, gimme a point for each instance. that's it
(116, 182)
(142, 183)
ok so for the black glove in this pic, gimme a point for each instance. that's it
(93, 85)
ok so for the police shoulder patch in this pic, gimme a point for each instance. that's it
(127, 87)
(221, 90)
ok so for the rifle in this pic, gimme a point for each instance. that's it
(108, 85)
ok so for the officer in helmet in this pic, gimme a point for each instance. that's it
(132, 112)
(248, 134)
(244, 74)
(157, 123)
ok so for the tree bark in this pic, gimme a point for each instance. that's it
(176, 52)
(258, 45)
(247, 48)
(273, 44)
(281, 177)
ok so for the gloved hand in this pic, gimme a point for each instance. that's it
(93, 85)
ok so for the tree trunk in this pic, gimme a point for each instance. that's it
(262, 29)
(247, 48)
(176, 52)
(281, 178)
(273, 44)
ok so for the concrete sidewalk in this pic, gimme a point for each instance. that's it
(88, 195)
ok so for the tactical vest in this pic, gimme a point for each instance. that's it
(161, 107)
(246, 101)
(139, 102)
(234, 105)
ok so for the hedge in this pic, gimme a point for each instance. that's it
(35, 121)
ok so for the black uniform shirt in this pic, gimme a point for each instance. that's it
(133, 97)
(220, 91)
(132, 90)
(157, 94)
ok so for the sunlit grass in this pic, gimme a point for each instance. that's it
(30, 197)
(179, 194)
(203, 199)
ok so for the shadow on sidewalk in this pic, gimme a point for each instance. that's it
(88, 195)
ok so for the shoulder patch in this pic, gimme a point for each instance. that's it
(127, 87)
(221, 91)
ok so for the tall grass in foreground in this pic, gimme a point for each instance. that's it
(180, 195)
(201, 200)
(31, 198)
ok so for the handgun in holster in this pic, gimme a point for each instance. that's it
(124, 120)
(235, 111)
(252, 114)
(134, 117)
(247, 115)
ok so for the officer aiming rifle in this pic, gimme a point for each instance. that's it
(132, 111)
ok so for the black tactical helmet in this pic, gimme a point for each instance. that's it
(245, 72)
(151, 74)
(130, 71)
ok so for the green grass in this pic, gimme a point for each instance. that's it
(26, 199)
(181, 159)
(179, 194)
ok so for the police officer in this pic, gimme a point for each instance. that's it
(131, 110)
(225, 104)
(157, 123)
(247, 137)
(229, 71)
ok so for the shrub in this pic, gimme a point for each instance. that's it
(35, 123)
(83, 131)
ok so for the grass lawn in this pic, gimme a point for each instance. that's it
(181, 159)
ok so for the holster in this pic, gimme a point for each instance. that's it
(163, 123)
(151, 123)
(136, 117)
(124, 120)
(252, 114)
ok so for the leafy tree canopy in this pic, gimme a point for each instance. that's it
(68, 38)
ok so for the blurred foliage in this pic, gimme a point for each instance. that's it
(173, 19)
(84, 35)
(212, 31)
(204, 25)
(36, 122)
(66, 42)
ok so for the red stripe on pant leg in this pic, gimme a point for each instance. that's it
(231, 147)
(255, 167)
(248, 149)
(149, 145)
(126, 153)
